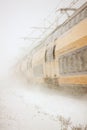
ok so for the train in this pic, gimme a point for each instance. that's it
(61, 58)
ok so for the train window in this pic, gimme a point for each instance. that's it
(54, 51)
(64, 65)
(45, 55)
(80, 61)
(49, 55)
(84, 57)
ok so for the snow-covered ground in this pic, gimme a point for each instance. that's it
(17, 114)
(27, 107)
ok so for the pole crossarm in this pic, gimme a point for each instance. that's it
(66, 10)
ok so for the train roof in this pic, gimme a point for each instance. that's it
(75, 18)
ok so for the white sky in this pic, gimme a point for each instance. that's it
(16, 18)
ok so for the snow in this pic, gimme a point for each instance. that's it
(27, 107)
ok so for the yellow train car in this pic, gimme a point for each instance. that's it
(62, 58)
(38, 65)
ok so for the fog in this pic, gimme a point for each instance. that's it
(16, 18)
(24, 106)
